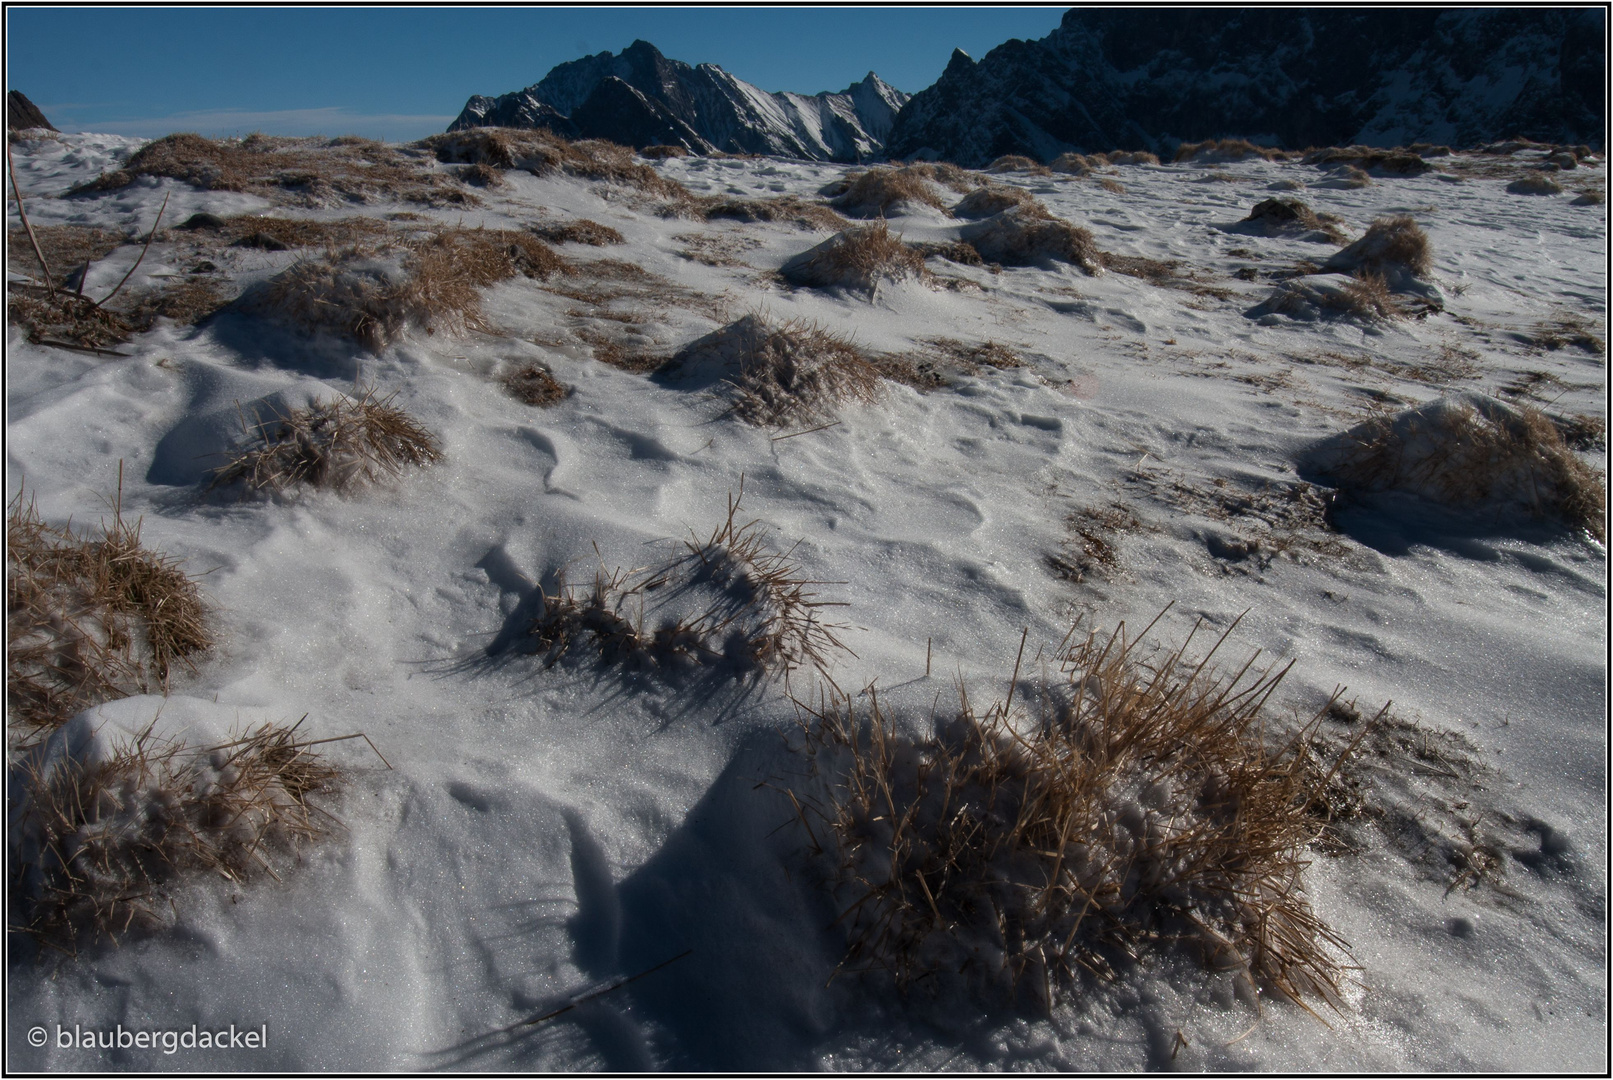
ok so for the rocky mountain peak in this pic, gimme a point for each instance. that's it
(640, 97)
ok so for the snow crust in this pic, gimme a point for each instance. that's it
(545, 832)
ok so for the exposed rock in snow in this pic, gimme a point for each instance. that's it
(22, 114)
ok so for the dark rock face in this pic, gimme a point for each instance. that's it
(640, 98)
(1152, 78)
(617, 112)
(22, 113)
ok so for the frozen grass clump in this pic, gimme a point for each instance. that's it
(857, 258)
(1216, 151)
(1288, 217)
(1393, 247)
(1076, 164)
(373, 296)
(1535, 184)
(90, 618)
(788, 208)
(1373, 159)
(105, 829)
(1017, 163)
(309, 172)
(1366, 299)
(542, 153)
(777, 375)
(1020, 236)
(1132, 157)
(1140, 807)
(1473, 453)
(535, 384)
(343, 444)
(986, 201)
(578, 231)
(880, 192)
(729, 606)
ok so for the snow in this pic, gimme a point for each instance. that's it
(545, 831)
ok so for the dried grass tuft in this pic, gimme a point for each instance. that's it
(1222, 150)
(1387, 162)
(1013, 163)
(310, 172)
(343, 444)
(857, 258)
(787, 208)
(986, 201)
(1284, 217)
(1391, 244)
(361, 295)
(90, 618)
(1021, 237)
(1535, 184)
(534, 384)
(729, 604)
(1469, 452)
(578, 231)
(880, 192)
(542, 153)
(1076, 164)
(661, 153)
(104, 840)
(483, 176)
(779, 375)
(1138, 807)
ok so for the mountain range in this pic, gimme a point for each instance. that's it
(640, 98)
(1126, 79)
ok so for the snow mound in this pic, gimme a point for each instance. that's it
(1335, 297)
(125, 798)
(856, 259)
(986, 201)
(1019, 236)
(791, 373)
(884, 192)
(1469, 452)
(1289, 218)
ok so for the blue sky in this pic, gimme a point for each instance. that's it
(402, 73)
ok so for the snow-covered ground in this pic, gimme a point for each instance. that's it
(543, 831)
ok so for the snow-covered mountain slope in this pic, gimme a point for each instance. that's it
(1150, 78)
(1054, 447)
(722, 112)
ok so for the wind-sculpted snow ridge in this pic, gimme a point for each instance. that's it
(640, 98)
(1144, 79)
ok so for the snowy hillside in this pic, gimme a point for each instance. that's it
(594, 823)
(641, 98)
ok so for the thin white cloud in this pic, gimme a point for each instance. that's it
(331, 120)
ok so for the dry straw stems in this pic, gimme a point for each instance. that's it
(729, 604)
(342, 444)
(90, 618)
(373, 299)
(1139, 806)
(102, 840)
(777, 375)
(880, 192)
(308, 172)
(1469, 452)
(858, 258)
